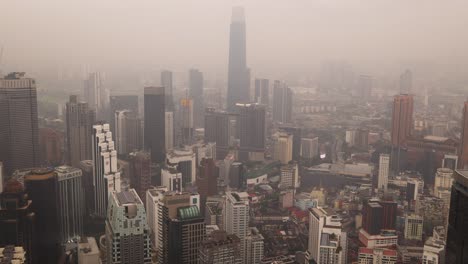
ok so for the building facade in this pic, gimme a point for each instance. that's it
(155, 131)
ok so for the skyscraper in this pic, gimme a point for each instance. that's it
(166, 82)
(237, 176)
(289, 176)
(238, 90)
(17, 219)
(463, 159)
(169, 133)
(196, 93)
(19, 131)
(309, 148)
(106, 176)
(457, 239)
(296, 132)
(282, 102)
(51, 146)
(402, 118)
(283, 147)
(186, 121)
(122, 102)
(127, 131)
(236, 217)
(155, 134)
(140, 166)
(127, 231)
(153, 198)
(384, 168)
(80, 120)
(207, 179)
(217, 129)
(251, 131)
(262, 91)
(95, 94)
(70, 202)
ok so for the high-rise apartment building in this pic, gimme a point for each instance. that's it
(80, 119)
(127, 131)
(251, 131)
(457, 240)
(238, 90)
(402, 118)
(282, 102)
(19, 131)
(140, 167)
(262, 91)
(17, 219)
(218, 130)
(377, 255)
(254, 245)
(153, 198)
(236, 217)
(309, 148)
(169, 130)
(283, 147)
(70, 202)
(414, 227)
(155, 131)
(196, 93)
(463, 159)
(106, 175)
(166, 82)
(384, 169)
(327, 240)
(220, 247)
(127, 231)
(289, 176)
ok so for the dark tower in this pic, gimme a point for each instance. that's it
(155, 138)
(196, 93)
(251, 129)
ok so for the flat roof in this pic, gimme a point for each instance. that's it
(127, 197)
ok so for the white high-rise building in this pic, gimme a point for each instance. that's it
(443, 179)
(309, 148)
(95, 93)
(153, 197)
(283, 145)
(171, 178)
(384, 168)
(413, 227)
(254, 247)
(184, 160)
(169, 119)
(327, 241)
(106, 175)
(236, 217)
(289, 176)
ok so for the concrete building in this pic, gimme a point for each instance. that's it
(414, 227)
(196, 93)
(251, 131)
(289, 176)
(282, 102)
(377, 255)
(309, 148)
(296, 132)
(254, 246)
(127, 231)
(19, 131)
(262, 91)
(443, 179)
(128, 131)
(122, 102)
(220, 247)
(88, 251)
(155, 131)
(171, 178)
(153, 198)
(51, 146)
(384, 169)
(236, 217)
(80, 119)
(218, 129)
(327, 240)
(283, 145)
(95, 93)
(140, 171)
(184, 161)
(106, 175)
(185, 120)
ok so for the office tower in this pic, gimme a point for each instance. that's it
(262, 91)
(17, 219)
(196, 94)
(87, 170)
(95, 94)
(186, 121)
(237, 176)
(389, 211)
(182, 229)
(238, 90)
(127, 231)
(254, 246)
(169, 133)
(384, 168)
(282, 102)
(443, 179)
(155, 131)
(19, 131)
(283, 147)
(457, 240)
(207, 179)
(327, 241)
(377, 255)
(140, 167)
(166, 82)
(80, 120)
(171, 179)
(106, 175)
(463, 159)
(184, 161)
(236, 217)
(217, 129)
(220, 247)
(406, 82)
(127, 128)
(309, 148)
(251, 131)
(364, 89)
(42, 189)
(296, 132)
(413, 227)
(402, 118)
(289, 176)
(371, 218)
(153, 197)
(50, 146)
(70, 203)
(122, 102)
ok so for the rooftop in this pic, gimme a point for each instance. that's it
(128, 197)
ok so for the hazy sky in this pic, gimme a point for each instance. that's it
(179, 34)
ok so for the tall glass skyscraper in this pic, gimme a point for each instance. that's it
(238, 73)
